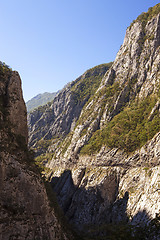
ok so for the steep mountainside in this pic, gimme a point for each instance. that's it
(40, 100)
(56, 119)
(25, 211)
(105, 168)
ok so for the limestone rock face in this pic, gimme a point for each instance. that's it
(39, 100)
(25, 211)
(58, 118)
(138, 58)
(109, 185)
(133, 76)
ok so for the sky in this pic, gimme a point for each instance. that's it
(52, 42)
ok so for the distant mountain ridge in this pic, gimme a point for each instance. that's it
(98, 141)
(39, 100)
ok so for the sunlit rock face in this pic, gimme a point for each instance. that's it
(56, 119)
(116, 189)
(25, 211)
(108, 184)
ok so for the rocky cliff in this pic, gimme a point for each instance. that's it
(56, 119)
(104, 167)
(25, 211)
(40, 100)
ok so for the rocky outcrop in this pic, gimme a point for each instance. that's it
(105, 168)
(58, 118)
(40, 100)
(111, 187)
(133, 75)
(12, 102)
(25, 211)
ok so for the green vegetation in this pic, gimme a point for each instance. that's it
(66, 142)
(63, 143)
(103, 96)
(42, 158)
(146, 16)
(4, 71)
(143, 19)
(106, 95)
(4, 67)
(88, 85)
(42, 145)
(128, 130)
(40, 100)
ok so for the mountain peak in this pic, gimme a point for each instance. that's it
(40, 100)
(99, 139)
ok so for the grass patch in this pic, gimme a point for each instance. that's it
(146, 16)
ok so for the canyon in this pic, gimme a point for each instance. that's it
(87, 166)
(97, 142)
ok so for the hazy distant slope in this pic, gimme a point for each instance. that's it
(99, 145)
(40, 100)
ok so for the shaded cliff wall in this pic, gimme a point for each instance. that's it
(25, 211)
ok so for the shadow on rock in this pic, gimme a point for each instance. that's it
(85, 206)
(98, 216)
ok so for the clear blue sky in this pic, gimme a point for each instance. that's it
(52, 42)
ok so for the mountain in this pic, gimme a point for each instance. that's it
(98, 141)
(25, 210)
(58, 118)
(39, 100)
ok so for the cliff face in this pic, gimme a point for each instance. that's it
(133, 76)
(40, 100)
(111, 187)
(25, 211)
(56, 119)
(12, 105)
(105, 169)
